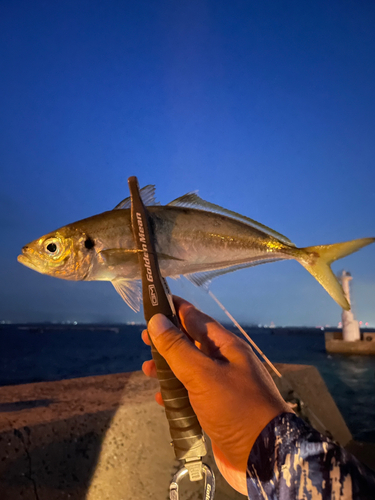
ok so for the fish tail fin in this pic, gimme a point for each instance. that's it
(318, 261)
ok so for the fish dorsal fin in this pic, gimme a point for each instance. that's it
(203, 279)
(130, 291)
(147, 195)
(192, 200)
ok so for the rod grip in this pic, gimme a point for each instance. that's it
(185, 430)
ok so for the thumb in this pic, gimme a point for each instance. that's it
(180, 353)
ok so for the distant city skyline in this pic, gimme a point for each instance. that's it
(267, 109)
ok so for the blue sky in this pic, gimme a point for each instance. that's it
(266, 108)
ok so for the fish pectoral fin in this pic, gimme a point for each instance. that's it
(147, 194)
(117, 256)
(192, 200)
(130, 291)
(204, 278)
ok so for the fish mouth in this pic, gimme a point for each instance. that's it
(25, 259)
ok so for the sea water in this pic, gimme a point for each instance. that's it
(35, 353)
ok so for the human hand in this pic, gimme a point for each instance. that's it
(231, 392)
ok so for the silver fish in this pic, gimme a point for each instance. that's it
(193, 237)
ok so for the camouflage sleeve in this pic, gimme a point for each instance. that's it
(292, 461)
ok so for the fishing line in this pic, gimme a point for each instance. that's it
(249, 339)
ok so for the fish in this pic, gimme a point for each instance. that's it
(193, 238)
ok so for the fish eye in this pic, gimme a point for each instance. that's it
(52, 246)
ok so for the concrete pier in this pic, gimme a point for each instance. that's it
(105, 438)
(336, 345)
(94, 438)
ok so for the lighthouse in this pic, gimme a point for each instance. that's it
(350, 327)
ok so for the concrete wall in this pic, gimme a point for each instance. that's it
(335, 344)
(362, 347)
(100, 438)
(304, 385)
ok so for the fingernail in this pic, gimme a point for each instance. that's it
(158, 324)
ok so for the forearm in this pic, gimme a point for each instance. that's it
(292, 461)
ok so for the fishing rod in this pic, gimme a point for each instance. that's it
(187, 435)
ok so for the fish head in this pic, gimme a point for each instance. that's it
(65, 253)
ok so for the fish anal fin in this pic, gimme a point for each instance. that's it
(192, 200)
(204, 278)
(130, 292)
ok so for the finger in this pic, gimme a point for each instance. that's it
(176, 348)
(202, 328)
(149, 368)
(159, 399)
(193, 321)
(145, 337)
